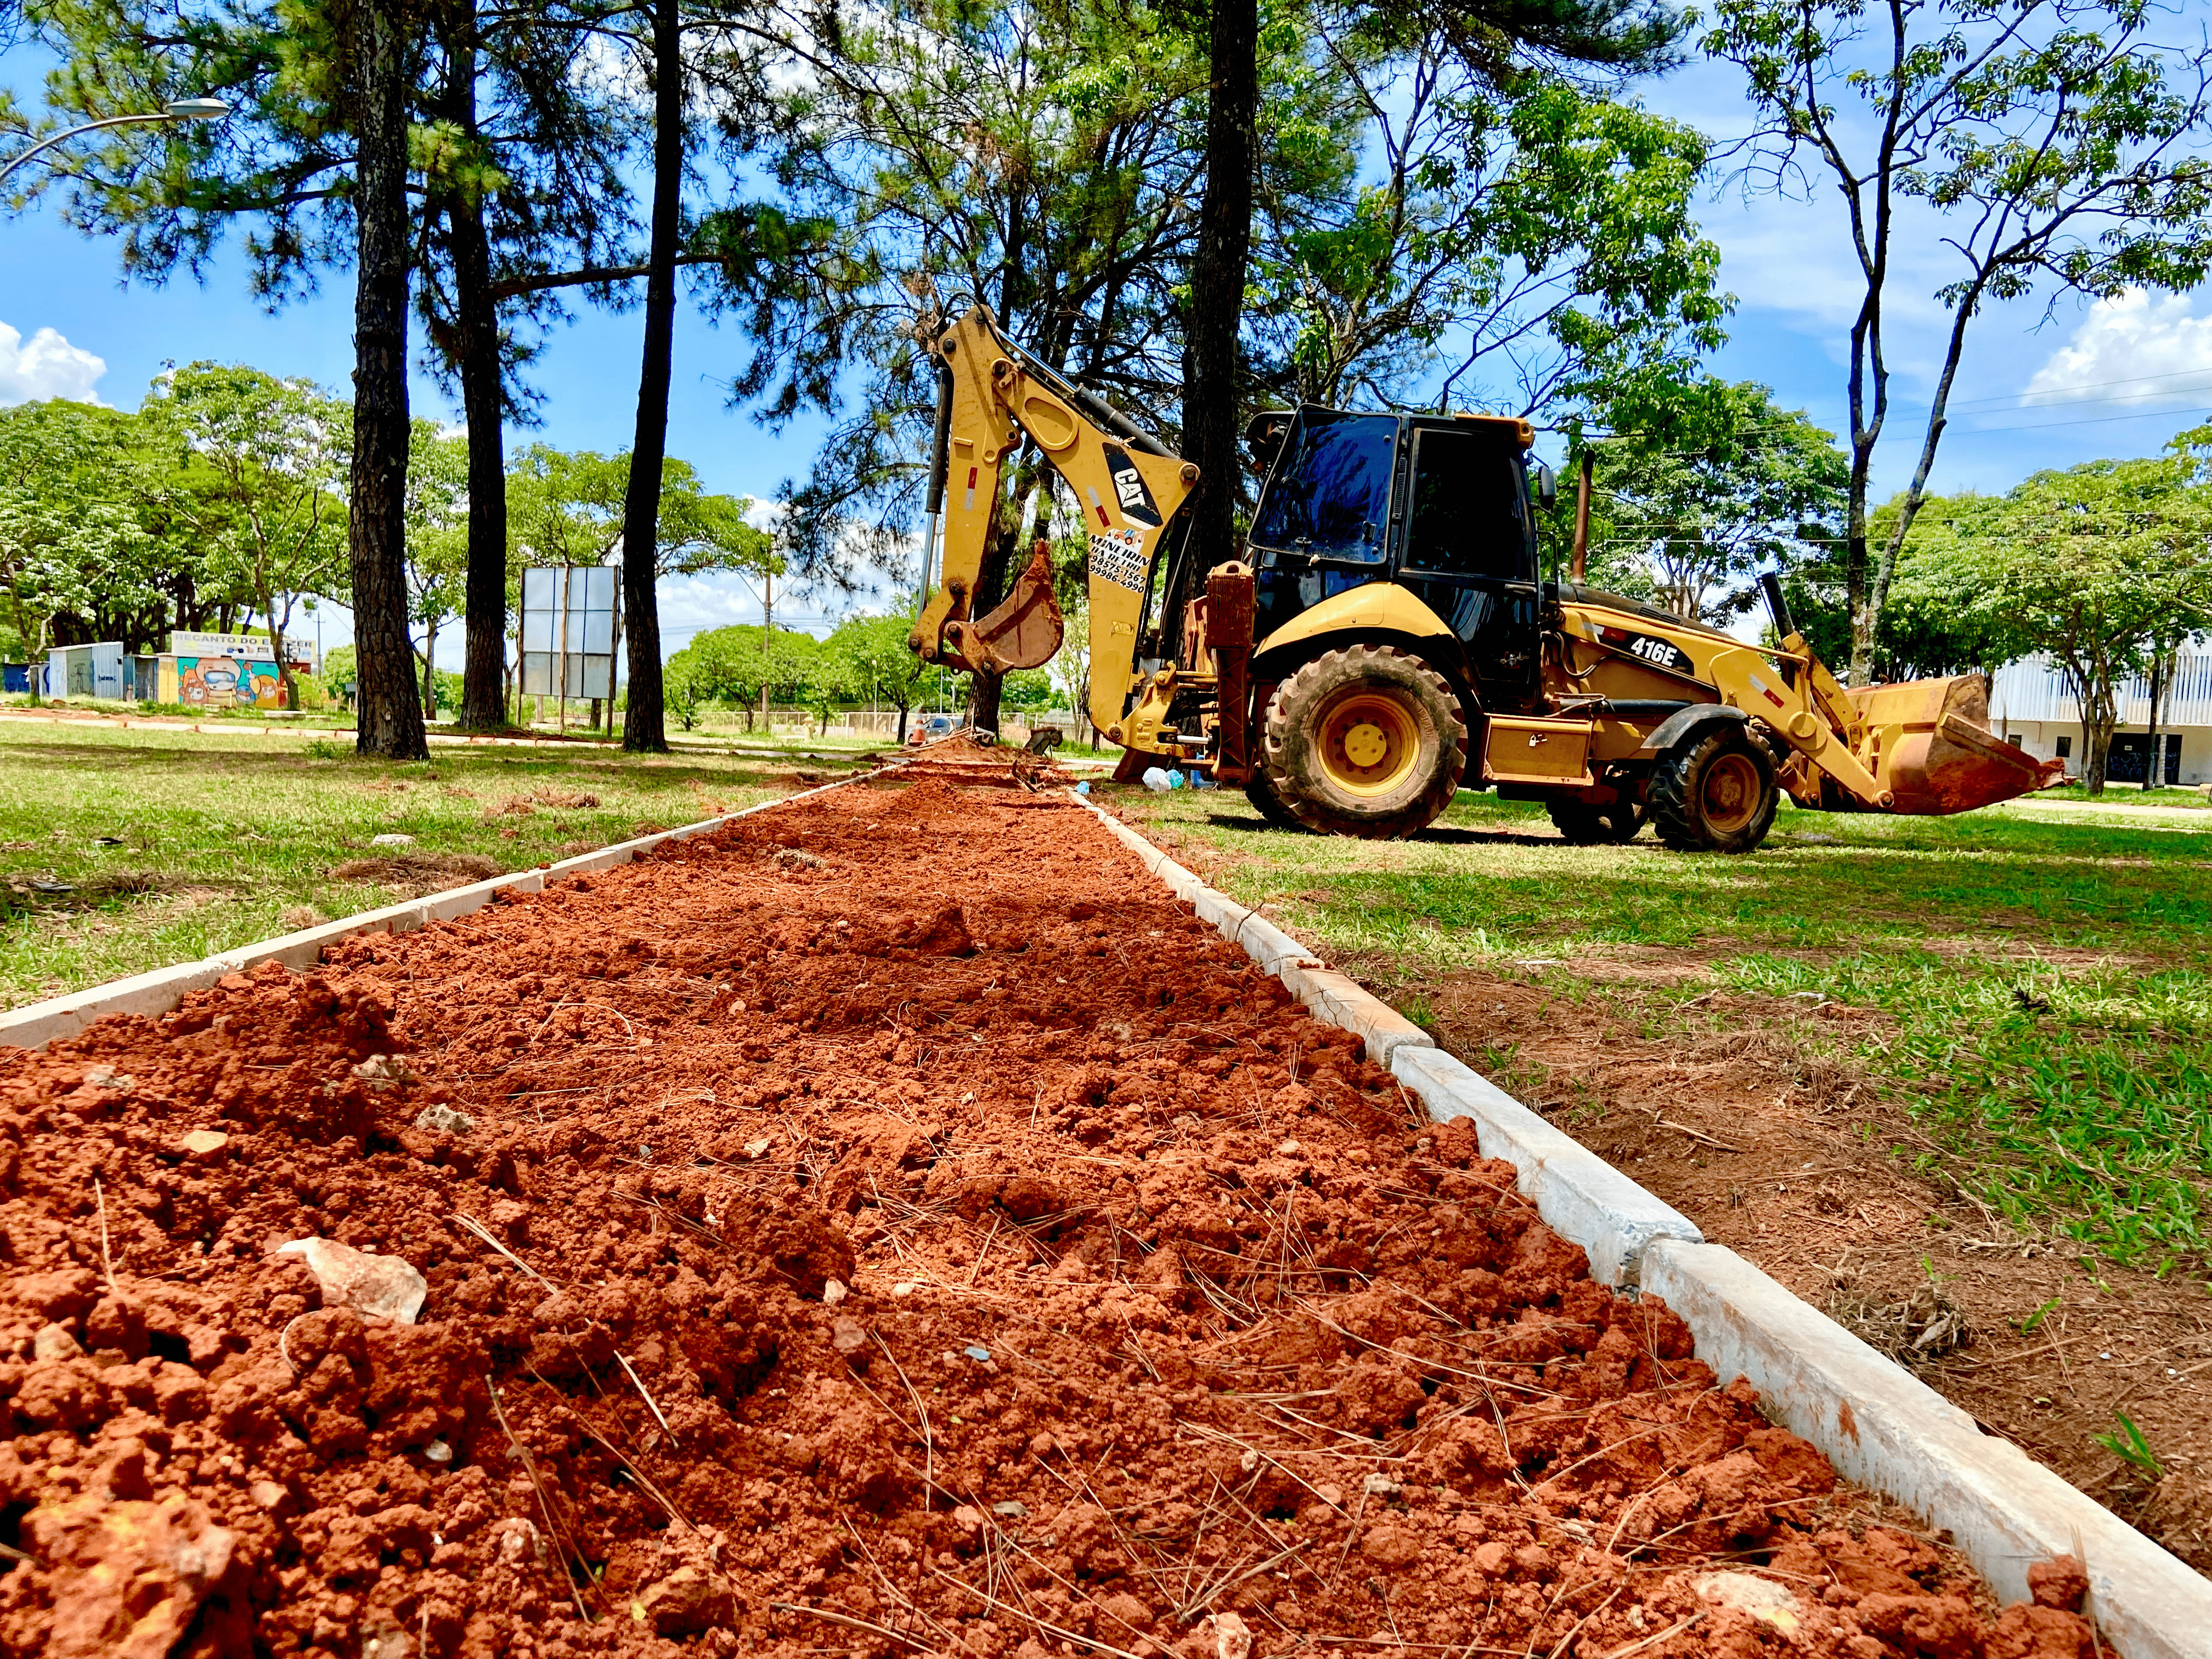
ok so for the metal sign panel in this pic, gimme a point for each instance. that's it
(569, 631)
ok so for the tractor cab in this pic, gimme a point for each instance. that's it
(1438, 505)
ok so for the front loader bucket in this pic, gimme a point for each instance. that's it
(1023, 633)
(1929, 744)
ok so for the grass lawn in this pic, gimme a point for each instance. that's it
(172, 846)
(2037, 990)
(2125, 795)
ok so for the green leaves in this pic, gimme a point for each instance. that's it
(1732, 484)
(1521, 250)
(263, 465)
(2052, 142)
(566, 508)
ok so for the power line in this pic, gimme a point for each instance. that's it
(1970, 431)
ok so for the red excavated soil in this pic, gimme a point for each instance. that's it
(890, 1224)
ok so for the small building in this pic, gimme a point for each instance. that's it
(215, 671)
(2031, 706)
(88, 671)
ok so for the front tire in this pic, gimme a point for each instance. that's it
(1713, 792)
(1365, 741)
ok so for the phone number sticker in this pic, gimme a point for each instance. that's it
(1118, 556)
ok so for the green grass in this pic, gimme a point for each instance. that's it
(2129, 794)
(176, 845)
(2049, 1019)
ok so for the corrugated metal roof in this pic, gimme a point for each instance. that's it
(2036, 689)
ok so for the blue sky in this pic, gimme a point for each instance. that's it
(68, 326)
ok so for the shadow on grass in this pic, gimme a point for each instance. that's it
(652, 771)
(1445, 835)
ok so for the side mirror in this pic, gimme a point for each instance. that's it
(1547, 486)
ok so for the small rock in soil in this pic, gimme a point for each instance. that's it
(796, 858)
(1762, 1598)
(54, 1342)
(833, 1291)
(444, 1121)
(687, 1603)
(1232, 1637)
(380, 1284)
(380, 1069)
(202, 1143)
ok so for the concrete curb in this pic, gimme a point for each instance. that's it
(1580, 1195)
(1884, 1428)
(1879, 1425)
(36, 1024)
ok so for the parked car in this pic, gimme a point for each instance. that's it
(928, 728)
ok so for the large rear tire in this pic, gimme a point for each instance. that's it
(1366, 741)
(1713, 792)
(1266, 806)
(1585, 825)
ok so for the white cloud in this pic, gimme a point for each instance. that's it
(2137, 348)
(47, 366)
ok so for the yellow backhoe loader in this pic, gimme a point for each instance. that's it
(1382, 639)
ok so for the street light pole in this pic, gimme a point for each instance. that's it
(179, 109)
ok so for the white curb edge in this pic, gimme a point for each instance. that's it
(1884, 1428)
(1879, 1426)
(37, 1024)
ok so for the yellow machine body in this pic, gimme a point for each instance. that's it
(1619, 681)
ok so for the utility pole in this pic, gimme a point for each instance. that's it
(1578, 566)
(767, 654)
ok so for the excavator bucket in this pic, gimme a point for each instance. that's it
(1023, 633)
(1929, 744)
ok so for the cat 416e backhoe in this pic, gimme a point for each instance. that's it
(1382, 638)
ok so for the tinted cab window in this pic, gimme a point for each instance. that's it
(1330, 494)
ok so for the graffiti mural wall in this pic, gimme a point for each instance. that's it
(221, 683)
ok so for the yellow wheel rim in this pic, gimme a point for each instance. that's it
(1369, 743)
(1729, 793)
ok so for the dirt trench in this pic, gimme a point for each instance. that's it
(890, 1224)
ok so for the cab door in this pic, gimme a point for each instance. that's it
(1323, 524)
(1468, 551)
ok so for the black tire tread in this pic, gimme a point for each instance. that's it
(1676, 823)
(1583, 825)
(1350, 661)
(1264, 802)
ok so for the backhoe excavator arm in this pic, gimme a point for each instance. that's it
(1128, 484)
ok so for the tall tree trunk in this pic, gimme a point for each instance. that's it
(389, 721)
(1217, 278)
(483, 671)
(2152, 769)
(643, 727)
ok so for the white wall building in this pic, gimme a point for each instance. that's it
(2030, 705)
